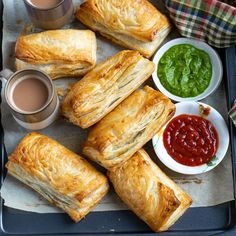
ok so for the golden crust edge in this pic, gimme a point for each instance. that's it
(183, 197)
(88, 124)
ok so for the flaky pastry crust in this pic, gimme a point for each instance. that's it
(103, 88)
(152, 195)
(128, 127)
(59, 53)
(64, 178)
(135, 24)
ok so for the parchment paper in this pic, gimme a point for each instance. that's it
(207, 189)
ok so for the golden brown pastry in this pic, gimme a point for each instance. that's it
(128, 127)
(61, 176)
(152, 195)
(135, 24)
(103, 88)
(59, 53)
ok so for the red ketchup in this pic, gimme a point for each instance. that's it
(190, 140)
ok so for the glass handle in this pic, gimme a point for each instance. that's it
(6, 73)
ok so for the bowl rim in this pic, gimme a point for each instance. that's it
(169, 162)
(217, 68)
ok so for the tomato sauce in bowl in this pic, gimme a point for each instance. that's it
(190, 140)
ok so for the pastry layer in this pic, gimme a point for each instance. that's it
(64, 178)
(152, 195)
(59, 53)
(128, 127)
(103, 88)
(135, 24)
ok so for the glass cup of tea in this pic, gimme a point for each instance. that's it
(32, 98)
(49, 14)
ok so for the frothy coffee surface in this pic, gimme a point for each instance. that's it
(45, 4)
(30, 94)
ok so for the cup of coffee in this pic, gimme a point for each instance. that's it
(49, 14)
(32, 98)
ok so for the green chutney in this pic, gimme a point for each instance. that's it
(185, 70)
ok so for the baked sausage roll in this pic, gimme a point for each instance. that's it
(152, 195)
(135, 24)
(61, 176)
(103, 88)
(128, 127)
(59, 53)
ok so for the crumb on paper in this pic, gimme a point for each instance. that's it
(27, 29)
(19, 21)
(12, 55)
(99, 47)
(62, 92)
(72, 84)
(187, 181)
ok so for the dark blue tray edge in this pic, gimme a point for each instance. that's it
(1, 129)
(230, 86)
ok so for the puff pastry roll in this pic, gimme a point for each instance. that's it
(128, 127)
(135, 24)
(59, 53)
(103, 88)
(61, 176)
(154, 197)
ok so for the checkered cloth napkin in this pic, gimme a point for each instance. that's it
(212, 21)
(232, 113)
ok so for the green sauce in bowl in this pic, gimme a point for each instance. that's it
(185, 70)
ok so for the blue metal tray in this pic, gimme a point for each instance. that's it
(202, 221)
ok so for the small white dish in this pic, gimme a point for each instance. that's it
(217, 70)
(192, 108)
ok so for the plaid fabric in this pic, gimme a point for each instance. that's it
(232, 113)
(208, 20)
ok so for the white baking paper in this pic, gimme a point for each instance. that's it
(207, 189)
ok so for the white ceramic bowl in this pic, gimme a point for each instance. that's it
(192, 108)
(217, 70)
